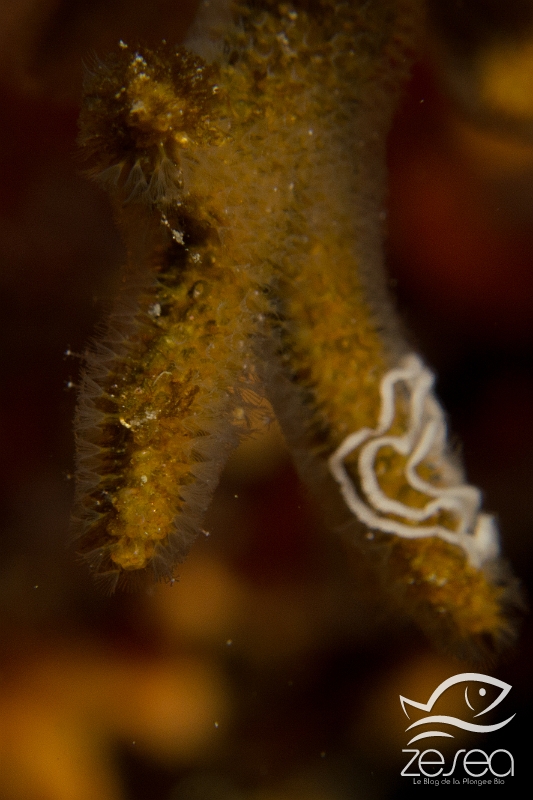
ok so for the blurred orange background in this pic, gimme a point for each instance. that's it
(272, 670)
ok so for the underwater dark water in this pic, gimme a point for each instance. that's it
(272, 669)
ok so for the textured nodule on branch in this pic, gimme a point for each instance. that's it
(247, 175)
(140, 104)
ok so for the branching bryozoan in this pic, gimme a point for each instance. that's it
(247, 173)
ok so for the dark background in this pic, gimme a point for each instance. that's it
(277, 631)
